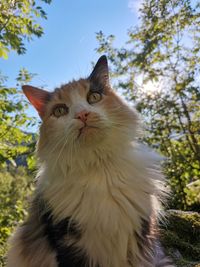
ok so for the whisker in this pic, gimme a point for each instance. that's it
(57, 144)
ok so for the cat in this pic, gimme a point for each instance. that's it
(97, 198)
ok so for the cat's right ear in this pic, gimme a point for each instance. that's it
(100, 73)
(37, 97)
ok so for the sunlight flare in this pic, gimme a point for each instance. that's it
(151, 88)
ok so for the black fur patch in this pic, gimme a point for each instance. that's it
(145, 240)
(67, 255)
(96, 87)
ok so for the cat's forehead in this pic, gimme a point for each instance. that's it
(71, 91)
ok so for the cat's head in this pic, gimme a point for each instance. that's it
(82, 116)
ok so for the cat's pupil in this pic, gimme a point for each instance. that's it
(94, 97)
(60, 110)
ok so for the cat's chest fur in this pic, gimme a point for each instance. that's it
(108, 201)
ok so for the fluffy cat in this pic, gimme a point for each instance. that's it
(97, 198)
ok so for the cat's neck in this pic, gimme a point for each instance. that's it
(83, 161)
(102, 177)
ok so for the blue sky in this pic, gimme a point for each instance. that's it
(66, 49)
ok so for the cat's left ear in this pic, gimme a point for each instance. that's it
(37, 97)
(100, 73)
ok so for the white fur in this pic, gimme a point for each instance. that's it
(101, 181)
(107, 190)
(106, 185)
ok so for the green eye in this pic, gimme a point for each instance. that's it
(94, 97)
(60, 110)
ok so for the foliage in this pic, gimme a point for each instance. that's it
(13, 141)
(18, 24)
(181, 237)
(164, 51)
(15, 189)
(193, 193)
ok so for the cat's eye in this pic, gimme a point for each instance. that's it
(60, 110)
(94, 97)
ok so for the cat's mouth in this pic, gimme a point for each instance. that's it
(85, 129)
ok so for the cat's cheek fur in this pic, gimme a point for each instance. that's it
(55, 131)
(124, 119)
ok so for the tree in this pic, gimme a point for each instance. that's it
(164, 49)
(13, 140)
(18, 23)
(15, 187)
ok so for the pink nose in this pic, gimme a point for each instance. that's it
(82, 115)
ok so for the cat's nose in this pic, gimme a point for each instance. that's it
(82, 115)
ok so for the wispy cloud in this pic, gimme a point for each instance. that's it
(135, 5)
